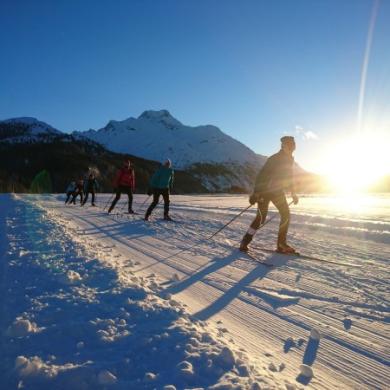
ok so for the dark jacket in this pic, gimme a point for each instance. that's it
(276, 175)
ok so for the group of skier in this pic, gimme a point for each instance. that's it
(273, 180)
(124, 183)
(82, 187)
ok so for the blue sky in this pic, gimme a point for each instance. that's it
(257, 69)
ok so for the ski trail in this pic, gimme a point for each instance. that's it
(267, 311)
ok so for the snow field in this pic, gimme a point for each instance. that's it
(75, 314)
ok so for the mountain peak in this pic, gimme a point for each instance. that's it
(162, 116)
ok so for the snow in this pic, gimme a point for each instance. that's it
(153, 133)
(96, 301)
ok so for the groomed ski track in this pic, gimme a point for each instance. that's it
(268, 311)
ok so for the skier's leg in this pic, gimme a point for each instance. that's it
(262, 210)
(67, 197)
(83, 202)
(73, 200)
(156, 197)
(117, 197)
(130, 196)
(93, 197)
(165, 194)
(281, 204)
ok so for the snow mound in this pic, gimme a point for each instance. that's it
(70, 277)
(306, 371)
(21, 328)
(315, 334)
(105, 377)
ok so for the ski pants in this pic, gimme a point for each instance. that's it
(76, 194)
(68, 195)
(280, 202)
(92, 192)
(118, 192)
(156, 197)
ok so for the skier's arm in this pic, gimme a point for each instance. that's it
(116, 180)
(171, 181)
(133, 180)
(263, 177)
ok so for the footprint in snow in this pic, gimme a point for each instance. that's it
(347, 323)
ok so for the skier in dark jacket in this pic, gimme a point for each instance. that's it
(70, 190)
(91, 185)
(160, 184)
(274, 178)
(79, 191)
(124, 182)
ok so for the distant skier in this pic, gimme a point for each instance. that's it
(91, 186)
(160, 184)
(79, 191)
(274, 178)
(124, 182)
(70, 190)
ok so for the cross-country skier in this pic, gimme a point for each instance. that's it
(160, 184)
(91, 185)
(79, 191)
(70, 190)
(274, 178)
(124, 182)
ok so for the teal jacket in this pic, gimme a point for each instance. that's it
(162, 178)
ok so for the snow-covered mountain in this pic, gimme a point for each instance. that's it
(157, 135)
(221, 161)
(26, 129)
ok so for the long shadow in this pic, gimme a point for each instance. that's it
(215, 265)
(228, 296)
(309, 358)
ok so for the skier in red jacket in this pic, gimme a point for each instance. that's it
(124, 182)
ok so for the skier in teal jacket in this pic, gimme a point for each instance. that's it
(160, 184)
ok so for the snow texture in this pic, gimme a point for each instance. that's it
(91, 301)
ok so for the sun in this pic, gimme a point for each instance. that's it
(352, 164)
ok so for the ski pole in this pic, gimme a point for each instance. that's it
(214, 234)
(227, 224)
(142, 205)
(109, 201)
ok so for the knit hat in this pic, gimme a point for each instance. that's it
(168, 162)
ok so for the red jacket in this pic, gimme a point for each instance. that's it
(125, 177)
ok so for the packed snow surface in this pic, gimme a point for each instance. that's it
(91, 301)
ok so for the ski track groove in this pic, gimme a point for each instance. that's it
(341, 347)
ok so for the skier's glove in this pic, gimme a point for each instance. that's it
(295, 199)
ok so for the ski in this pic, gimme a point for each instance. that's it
(308, 257)
(252, 256)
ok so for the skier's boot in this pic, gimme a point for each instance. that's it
(131, 211)
(93, 204)
(245, 242)
(285, 249)
(110, 209)
(146, 217)
(167, 218)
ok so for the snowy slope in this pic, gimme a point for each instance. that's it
(26, 129)
(271, 315)
(157, 135)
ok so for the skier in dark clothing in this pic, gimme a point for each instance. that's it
(160, 184)
(274, 178)
(91, 185)
(79, 191)
(70, 190)
(124, 182)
